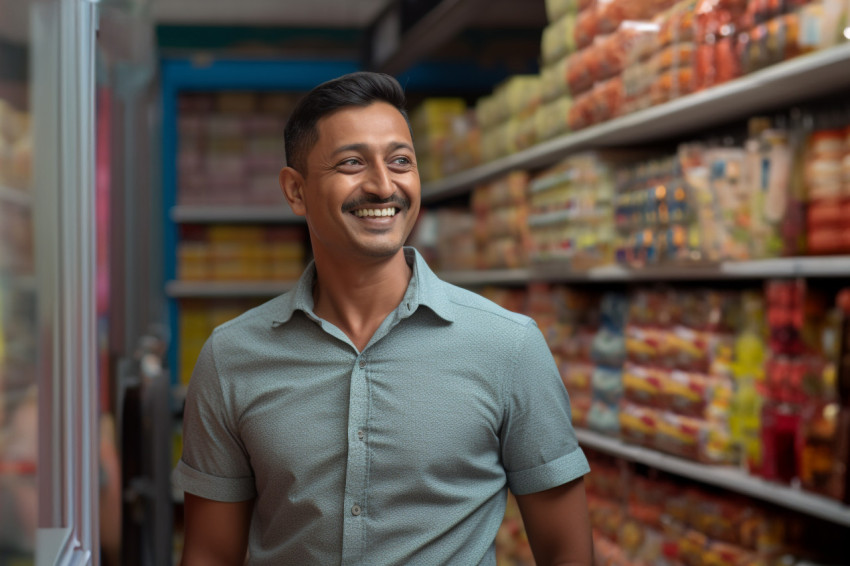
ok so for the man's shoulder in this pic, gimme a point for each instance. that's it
(253, 319)
(478, 307)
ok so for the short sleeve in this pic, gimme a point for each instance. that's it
(539, 446)
(214, 463)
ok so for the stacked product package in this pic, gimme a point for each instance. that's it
(805, 420)
(507, 117)
(754, 379)
(571, 207)
(641, 518)
(231, 147)
(16, 230)
(677, 383)
(827, 191)
(228, 252)
(781, 193)
(443, 137)
(602, 59)
(557, 44)
(502, 234)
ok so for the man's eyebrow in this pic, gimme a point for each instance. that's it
(362, 147)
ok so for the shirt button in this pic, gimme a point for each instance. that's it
(356, 510)
(360, 434)
(362, 364)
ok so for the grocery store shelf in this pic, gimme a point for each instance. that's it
(226, 289)
(827, 266)
(729, 478)
(15, 196)
(488, 277)
(793, 81)
(246, 214)
(560, 272)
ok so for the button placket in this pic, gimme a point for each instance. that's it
(357, 472)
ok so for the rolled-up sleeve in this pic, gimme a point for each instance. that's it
(539, 446)
(214, 463)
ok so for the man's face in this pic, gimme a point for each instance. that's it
(361, 190)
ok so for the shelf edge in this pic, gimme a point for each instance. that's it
(250, 214)
(226, 289)
(728, 478)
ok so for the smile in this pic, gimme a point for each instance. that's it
(376, 212)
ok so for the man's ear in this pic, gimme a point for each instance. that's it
(292, 185)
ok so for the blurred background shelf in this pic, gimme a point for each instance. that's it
(786, 83)
(814, 267)
(226, 289)
(244, 214)
(728, 478)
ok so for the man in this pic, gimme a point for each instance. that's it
(374, 414)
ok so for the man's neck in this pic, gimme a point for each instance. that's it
(356, 297)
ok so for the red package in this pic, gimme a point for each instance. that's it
(579, 71)
(585, 29)
(617, 49)
(606, 99)
(581, 112)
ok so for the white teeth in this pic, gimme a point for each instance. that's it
(363, 212)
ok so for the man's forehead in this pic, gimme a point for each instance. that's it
(328, 126)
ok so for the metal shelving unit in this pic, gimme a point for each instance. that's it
(555, 272)
(790, 82)
(226, 289)
(235, 214)
(729, 478)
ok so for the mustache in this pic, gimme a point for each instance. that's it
(397, 199)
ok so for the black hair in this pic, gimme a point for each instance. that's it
(354, 89)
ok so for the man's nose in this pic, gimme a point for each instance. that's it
(379, 181)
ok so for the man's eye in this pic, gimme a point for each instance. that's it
(402, 161)
(352, 162)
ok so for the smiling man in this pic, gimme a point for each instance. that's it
(374, 414)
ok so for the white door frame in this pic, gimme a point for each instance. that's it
(62, 52)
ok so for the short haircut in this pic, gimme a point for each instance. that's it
(355, 89)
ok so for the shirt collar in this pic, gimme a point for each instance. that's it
(425, 289)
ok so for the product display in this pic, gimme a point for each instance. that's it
(571, 210)
(231, 147)
(19, 444)
(445, 135)
(645, 518)
(742, 378)
(501, 230)
(241, 253)
(605, 59)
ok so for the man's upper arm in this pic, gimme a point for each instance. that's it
(539, 447)
(215, 532)
(558, 526)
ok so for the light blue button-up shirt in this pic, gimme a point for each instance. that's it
(399, 454)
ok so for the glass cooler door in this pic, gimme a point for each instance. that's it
(48, 405)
